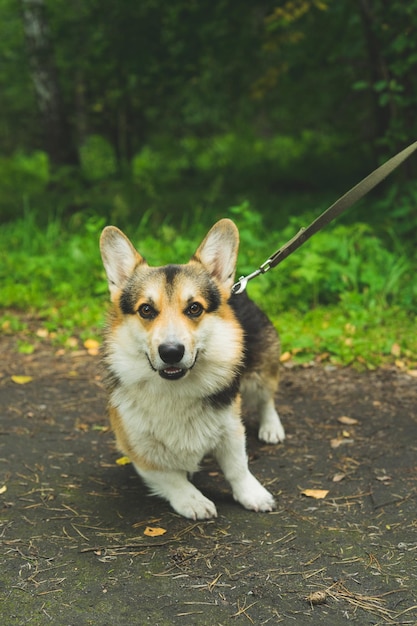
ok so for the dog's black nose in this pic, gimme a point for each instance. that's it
(171, 352)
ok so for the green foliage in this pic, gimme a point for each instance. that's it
(364, 338)
(195, 174)
(97, 158)
(345, 260)
(347, 295)
(392, 76)
(191, 107)
(181, 110)
(55, 273)
(23, 179)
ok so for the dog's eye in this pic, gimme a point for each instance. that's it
(147, 312)
(194, 310)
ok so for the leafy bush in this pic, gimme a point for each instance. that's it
(174, 178)
(23, 179)
(97, 157)
(348, 293)
(347, 259)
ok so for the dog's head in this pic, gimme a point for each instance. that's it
(171, 318)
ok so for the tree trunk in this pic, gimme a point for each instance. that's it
(377, 68)
(57, 140)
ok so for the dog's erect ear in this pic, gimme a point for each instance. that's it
(119, 257)
(218, 252)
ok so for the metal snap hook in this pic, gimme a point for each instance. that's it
(242, 283)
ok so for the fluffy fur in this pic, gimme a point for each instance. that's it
(180, 354)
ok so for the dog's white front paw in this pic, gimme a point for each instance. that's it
(271, 430)
(253, 496)
(194, 505)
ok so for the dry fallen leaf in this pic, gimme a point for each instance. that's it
(317, 597)
(92, 346)
(335, 443)
(123, 460)
(317, 494)
(285, 356)
(91, 343)
(347, 421)
(154, 531)
(82, 426)
(42, 333)
(338, 477)
(384, 478)
(22, 380)
(3, 489)
(396, 349)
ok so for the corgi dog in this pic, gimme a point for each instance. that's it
(180, 354)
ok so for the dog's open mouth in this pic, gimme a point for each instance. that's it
(172, 373)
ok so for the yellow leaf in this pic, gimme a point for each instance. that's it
(348, 421)
(335, 443)
(3, 489)
(22, 380)
(82, 426)
(71, 342)
(123, 460)
(91, 344)
(396, 349)
(154, 531)
(285, 357)
(317, 494)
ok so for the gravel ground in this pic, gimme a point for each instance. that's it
(82, 542)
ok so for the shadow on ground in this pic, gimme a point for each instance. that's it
(73, 548)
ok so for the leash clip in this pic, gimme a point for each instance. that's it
(266, 266)
(242, 283)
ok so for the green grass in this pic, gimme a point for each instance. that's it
(331, 335)
(346, 297)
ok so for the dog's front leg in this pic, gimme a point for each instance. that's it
(174, 486)
(232, 458)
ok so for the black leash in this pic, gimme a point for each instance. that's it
(345, 202)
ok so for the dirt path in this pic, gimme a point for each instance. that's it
(73, 548)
